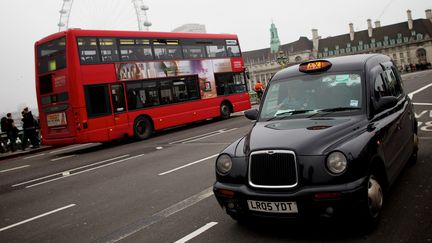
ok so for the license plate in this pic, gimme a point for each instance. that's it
(273, 207)
(56, 119)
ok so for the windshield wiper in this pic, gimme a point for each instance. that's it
(331, 110)
(282, 115)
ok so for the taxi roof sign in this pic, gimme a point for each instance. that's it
(314, 66)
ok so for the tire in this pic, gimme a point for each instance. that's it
(413, 158)
(225, 111)
(370, 212)
(143, 128)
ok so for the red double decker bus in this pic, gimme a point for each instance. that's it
(97, 85)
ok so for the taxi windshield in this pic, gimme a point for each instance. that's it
(311, 95)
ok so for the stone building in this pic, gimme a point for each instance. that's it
(408, 43)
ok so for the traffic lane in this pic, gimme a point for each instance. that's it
(413, 81)
(68, 158)
(119, 192)
(406, 217)
(58, 163)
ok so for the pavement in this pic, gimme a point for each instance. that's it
(19, 152)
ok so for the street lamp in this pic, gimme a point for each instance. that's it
(281, 59)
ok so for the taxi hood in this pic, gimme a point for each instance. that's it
(305, 136)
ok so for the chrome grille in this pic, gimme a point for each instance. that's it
(273, 169)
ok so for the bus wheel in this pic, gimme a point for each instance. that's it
(225, 111)
(142, 128)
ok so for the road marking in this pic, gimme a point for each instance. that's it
(203, 136)
(186, 165)
(68, 171)
(196, 232)
(69, 148)
(34, 156)
(37, 217)
(65, 175)
(422, 103)
(16, 168)
(64, 157)
(146, 222)
(419, 90)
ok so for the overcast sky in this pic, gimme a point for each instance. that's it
(25, 21)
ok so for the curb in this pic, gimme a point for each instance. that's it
(11, 155)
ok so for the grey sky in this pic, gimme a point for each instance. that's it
(26, 21)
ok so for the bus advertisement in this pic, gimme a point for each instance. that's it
(99, 86)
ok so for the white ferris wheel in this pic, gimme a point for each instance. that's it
(139, 9)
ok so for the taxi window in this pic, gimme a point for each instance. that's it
(380, 89)
(313, 93)
(393, 84)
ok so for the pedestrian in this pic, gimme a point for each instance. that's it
(259, 88)
(29, 127)
(12, 132)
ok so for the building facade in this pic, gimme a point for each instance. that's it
(408, 43)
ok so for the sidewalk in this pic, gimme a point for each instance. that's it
(19, 152)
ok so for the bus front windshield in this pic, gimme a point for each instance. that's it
(311, 95)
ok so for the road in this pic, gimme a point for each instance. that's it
(159, 190)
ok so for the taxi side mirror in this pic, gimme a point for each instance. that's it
(385, 103)
(251, 114)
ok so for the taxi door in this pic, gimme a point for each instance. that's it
(121, 118)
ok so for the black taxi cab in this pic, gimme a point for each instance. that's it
(330, 137)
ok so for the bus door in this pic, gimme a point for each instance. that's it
(121, 119)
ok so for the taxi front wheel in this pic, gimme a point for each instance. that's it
(371, 208)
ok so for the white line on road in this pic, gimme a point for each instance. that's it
(69, 148)
(36, 217)
(64, 157)
(186, 165)
(146, 222)
(74, 169)
(422, 103)
(419, 90)
(65, 174)
(16, 168)
(196, 232)
(203, 136)
(34, 156)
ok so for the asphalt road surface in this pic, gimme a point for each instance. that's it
(159, 190)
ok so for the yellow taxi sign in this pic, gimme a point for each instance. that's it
(314, 66)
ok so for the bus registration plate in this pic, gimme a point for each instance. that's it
(56, 119)
(273, 207)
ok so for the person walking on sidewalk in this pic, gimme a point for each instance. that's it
(29, 127)
(12, 132)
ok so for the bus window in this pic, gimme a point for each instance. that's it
(87, 48)
(135, 50)
(216, 51)
(194, 51)
(166, 92)
(167, 52)
(108, 49)
(142, 94)
(230, 83)
(97, 100)
(233, 51)
(52, 55)
(117, 98)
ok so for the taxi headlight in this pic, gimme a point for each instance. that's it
(336, 163)
(223, 164)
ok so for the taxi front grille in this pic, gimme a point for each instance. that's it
(273, 169)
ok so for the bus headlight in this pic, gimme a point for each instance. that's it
(336, 163)
(223, 164)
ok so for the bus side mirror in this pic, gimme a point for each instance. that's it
(251, 114)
